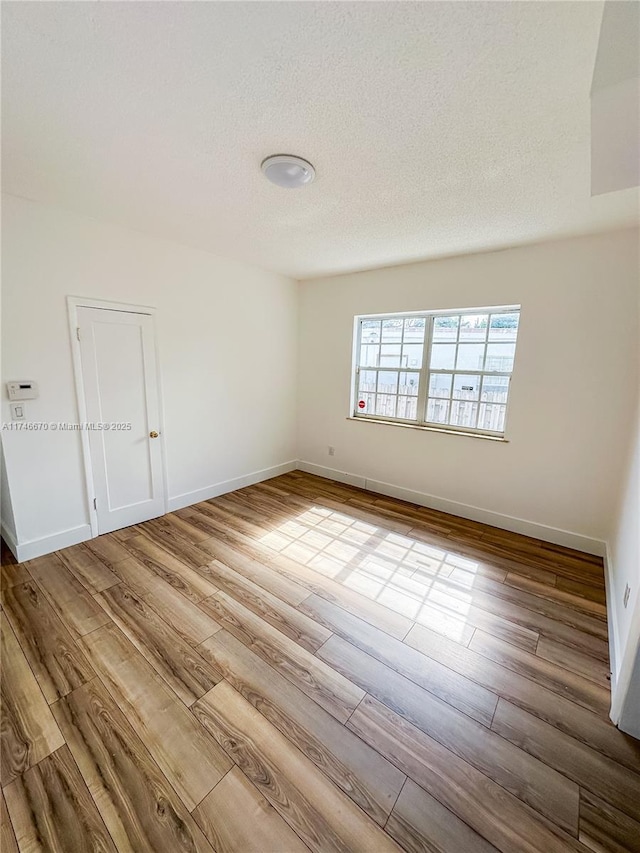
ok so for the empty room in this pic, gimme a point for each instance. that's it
(320, 435)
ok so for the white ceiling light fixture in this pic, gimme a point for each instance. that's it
(285, 170)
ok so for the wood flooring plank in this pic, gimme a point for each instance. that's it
(12, 574)
(591, 668)
(73, 604)
(190, 759)
(586, 767)
(57, 663)
(186, 552)
(181, 529)
(485, 590)
(354, 602)
(565, 715)
(205, 519)
(593, 642)
(92, 573)
(28, 731)
(320, 814)
(475, 552)
(220, 511)
(107, 549)
(236, 503)
(127, 532)
(366, 777)
(584, 590)
(495, 814)
(287, 619)
(52, 810)
(138, 805)
(332, 691)
(259, 572)
(167, 566)
(532, 781)
(187, 619)
(460, 692)
(605, 829)
(453, 612)
(558, 595)
(339, 510)
(137, 576)
(556, 678)
(180, 665)
(8, 843)
(577, 570)
(421, 824)
(236, 817)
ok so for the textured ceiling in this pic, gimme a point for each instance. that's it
(435, 128)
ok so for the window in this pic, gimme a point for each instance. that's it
(450, 370)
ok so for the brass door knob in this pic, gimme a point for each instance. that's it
(153, 434)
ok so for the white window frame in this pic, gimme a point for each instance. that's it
(424, 371)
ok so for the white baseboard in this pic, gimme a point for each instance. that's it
(46, 545)
(496, 519)
(332, 474)
(612, 622)
(39, 547)
(190, 498)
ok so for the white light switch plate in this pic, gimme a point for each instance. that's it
(17, 412)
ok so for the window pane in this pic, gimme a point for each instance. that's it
(369, 356)
(370, 332)
(391, 331)
(463, 414)
(443, 356)
(409, 383)
(470, 357)
(438, 411)
(387, 382)
(466, 387)
(407, 408)
(445, 329)
(440, 385)
(390, 355)
(369, 401)
(504, 327)
(412, 355)
(386, 405)
(473, 327)
(495, 389)
(500, 357)
(367, 381)
(414, 330)
(491, 417)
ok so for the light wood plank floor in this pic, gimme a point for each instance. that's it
(302, 665)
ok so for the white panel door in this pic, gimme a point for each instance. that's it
(121, 387)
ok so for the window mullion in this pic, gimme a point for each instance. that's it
(424, 371)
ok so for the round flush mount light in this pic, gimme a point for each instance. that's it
(285, 170)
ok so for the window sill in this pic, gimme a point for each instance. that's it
(430, 429)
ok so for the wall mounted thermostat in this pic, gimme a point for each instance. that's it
(22, 389)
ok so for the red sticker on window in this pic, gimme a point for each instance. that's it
(361, 404)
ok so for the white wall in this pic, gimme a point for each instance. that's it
(572, 396)
(227, 343)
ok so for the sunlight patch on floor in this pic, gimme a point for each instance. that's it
(400, 572)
